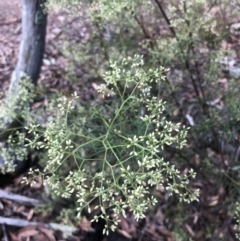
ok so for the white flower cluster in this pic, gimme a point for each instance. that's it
(118, 160)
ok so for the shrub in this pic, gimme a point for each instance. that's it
(16, 110)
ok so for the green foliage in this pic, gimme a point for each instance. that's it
(15, 108)
(237, 216)
(17, 105)
(116, 149)
(14, 151)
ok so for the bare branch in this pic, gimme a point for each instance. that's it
(23, 223)
(19, 198)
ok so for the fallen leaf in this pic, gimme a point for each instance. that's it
(190, 119)
(1, 206)
(37, 105)
(195, 220)
(14, 237)
(124, 233)
(164, 231)
(213, 201)
(20, 209)
(189, 229)
(153, 233)
(30, 214)
(40, 237)
(48, 233)
(27, 232)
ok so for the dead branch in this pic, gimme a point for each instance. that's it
(23, 223)
(19, 198)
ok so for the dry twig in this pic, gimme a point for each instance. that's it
(23, 223)
(19, 198)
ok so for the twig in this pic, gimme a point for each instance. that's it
(187, 64)
(144, 30)
(19, 198)
(5, 234)
(166, 18)
(23, 223)
(148, 36)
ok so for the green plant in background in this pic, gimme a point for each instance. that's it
(113, 30)
(16, 107)
(113, 152)
(237, 217)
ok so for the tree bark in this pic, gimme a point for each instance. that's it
(34, 22)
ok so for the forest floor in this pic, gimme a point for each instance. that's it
(16, 211)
